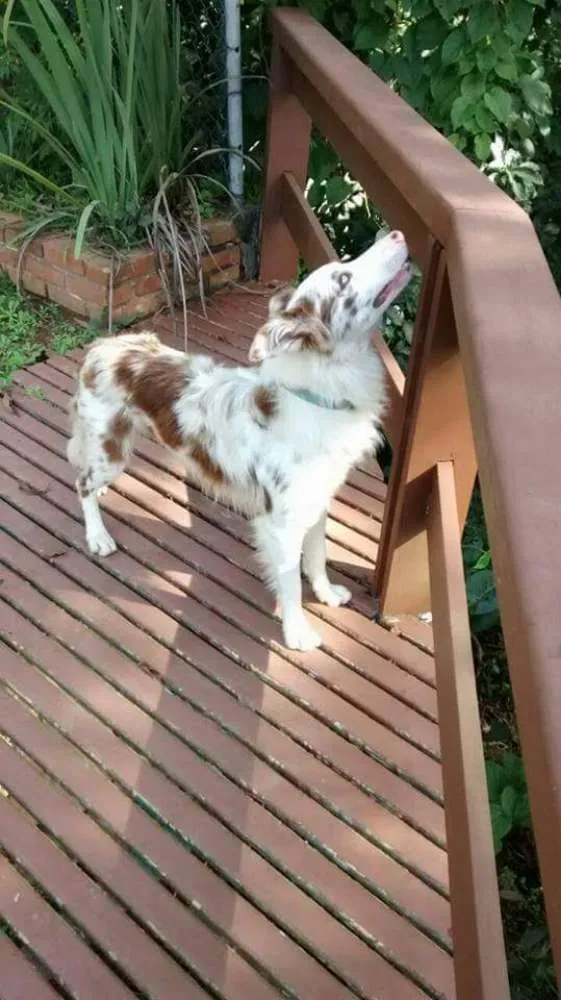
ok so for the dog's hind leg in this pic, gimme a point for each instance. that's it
(88, 485)
(279, 543)
(315, 567)
(101, 459)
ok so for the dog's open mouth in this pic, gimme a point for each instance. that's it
(393, 286)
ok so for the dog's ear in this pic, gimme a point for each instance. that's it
(279, 301)
(290, 328)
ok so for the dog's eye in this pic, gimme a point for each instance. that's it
(342, 279)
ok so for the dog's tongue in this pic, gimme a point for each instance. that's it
(388, 289)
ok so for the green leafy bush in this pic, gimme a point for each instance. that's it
(484, 73)
(508, 797)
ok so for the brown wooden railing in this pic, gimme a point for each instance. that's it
(485, 367)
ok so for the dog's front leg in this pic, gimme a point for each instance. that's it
(279, 543)
(315, 568)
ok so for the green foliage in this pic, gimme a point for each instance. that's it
(29, 329)
(18, 327)
(107, 87)
(475, 69)
(508, 797)
(480, 583)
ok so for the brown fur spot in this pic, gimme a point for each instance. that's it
(268, 500)
(279, 301)
(308, 342)
(119, 428)
(305, 307)
(154, 386)
(89, 376)
(266, 402)
(209, 469)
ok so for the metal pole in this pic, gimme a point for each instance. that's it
(234, 79)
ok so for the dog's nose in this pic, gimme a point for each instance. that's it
(397, 236)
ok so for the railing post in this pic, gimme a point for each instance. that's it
(436, 427)
(288, 147)
(479, 954)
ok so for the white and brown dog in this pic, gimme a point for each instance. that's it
(274, 441)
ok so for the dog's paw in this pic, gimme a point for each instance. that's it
(332, 594)
(299, 634)
(101, 544)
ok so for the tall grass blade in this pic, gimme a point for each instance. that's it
(82, 227)
(10, 161)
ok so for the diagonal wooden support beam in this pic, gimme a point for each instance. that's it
(436, 427)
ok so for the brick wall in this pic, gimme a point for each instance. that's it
(51, 271)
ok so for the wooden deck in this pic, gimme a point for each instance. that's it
(187, 809)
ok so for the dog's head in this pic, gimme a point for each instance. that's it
(336, 303)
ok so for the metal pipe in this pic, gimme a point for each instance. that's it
(234, 82)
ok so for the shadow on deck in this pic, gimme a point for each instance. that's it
(186, 808)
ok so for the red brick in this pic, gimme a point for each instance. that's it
(149, 283)
(35, 247)
(59, 250)
(34, 285)
(12, 273)
(97, 267)
(219, 231)
(43, 270)
(91, 291)
(8, 256)
(74, 303)
(142, 306)
(222, 259)
(136, 264)
(96, 311)
(123, 292)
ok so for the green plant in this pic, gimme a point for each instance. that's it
(108, 86)
(18, 326)
(508, 797)
(480, 581)
(474, 68)
(30, 329)
(35, 391)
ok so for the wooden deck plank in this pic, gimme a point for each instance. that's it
(98, 916)
(190, 800)
(20, 977)
(208, 742)
(143, 894)
(278, 703)
(296, 711)
(57, 945)
(420, 729)
(328, 785)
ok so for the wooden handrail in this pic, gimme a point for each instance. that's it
(500, 316)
